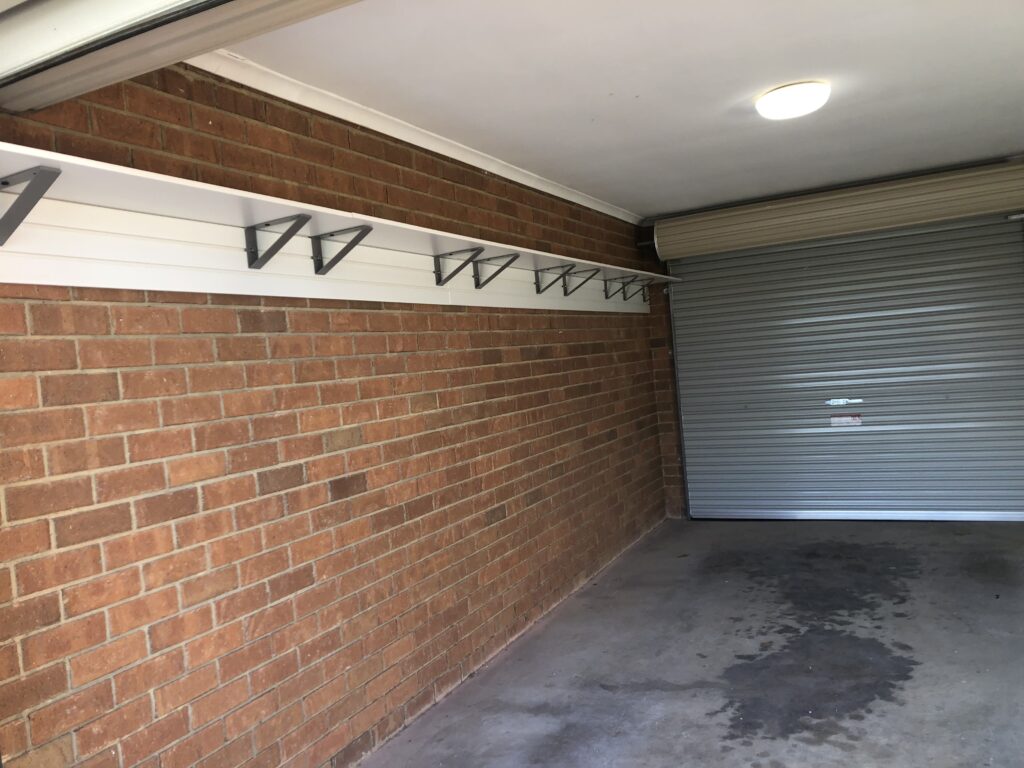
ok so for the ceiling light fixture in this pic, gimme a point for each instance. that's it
(793, 100)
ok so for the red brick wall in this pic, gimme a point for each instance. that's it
(186, 123)
(239, 529)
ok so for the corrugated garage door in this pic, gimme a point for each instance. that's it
(870, 377)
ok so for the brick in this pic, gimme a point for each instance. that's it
(114, 656)
(280, 478)
(291, 582)
(191, 469)
(262, 321)
(56, 754)
(60, 642)
(248, 716)
(27, 501)
(180, 628)
(155, 737)
(209, 320)
(75, 388)
(92, 524)
(167, 506)
(12, 319)
(122, 417)
(233, 549)
(132, 320)
(216, 378)
(55, 570)
(115, 353)
(13, 736)
(18, 541)
(71, 712)
(209, 585)
(224, 493)
(209, 436)
(176, 351)
(246, 403)
(113, 726)
(18, 394)
(213, 645)
(143, 610)
(249, 457)
(21, 464)
(188, 752)
(204, 527)
(101, 592)
(29, 428)
(241, 603)
(218, 123)
(19, 696)
(350, 485)
(131, 481)
(185, 689)
(148, 675)
(158, 382)
(69, 320)
(141, 545)
(28, 616)
(186, 410)
(174, 567)
(159, 444)
(65, 458)
(222, 700)
(156, 105)
(8, 662)
(241, 348)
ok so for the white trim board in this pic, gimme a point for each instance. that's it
(241, 70)
(102, 225)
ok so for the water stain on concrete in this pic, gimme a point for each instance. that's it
(811, 684)
(825, 582)
(823, 674)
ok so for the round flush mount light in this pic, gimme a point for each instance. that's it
(793, 100)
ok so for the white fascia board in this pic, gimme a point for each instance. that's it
(241, 70)
(106, 226)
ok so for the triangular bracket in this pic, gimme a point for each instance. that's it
(587, 275)
(440, 278)
(559, 272)
(641, 288)
(259, 260)
(319, 267)
(39, 180)
(505, 261)
(623, 285)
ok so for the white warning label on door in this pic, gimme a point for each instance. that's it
(846, 420)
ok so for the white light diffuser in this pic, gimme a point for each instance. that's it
(793, 100)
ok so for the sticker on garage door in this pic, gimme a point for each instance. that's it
(846, 420)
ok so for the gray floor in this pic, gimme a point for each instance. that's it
(760, 645)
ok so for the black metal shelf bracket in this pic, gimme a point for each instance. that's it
(440, 278)
(623, 285)
(504, 262)
(587, 275)
(559, 272)
(259, 260)
(38, 181)
(319, 267)
(641, 288)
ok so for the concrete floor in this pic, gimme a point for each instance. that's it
(760, 645)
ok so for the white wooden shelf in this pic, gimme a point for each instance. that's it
(103, 225)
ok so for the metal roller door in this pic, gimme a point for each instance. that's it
(875, 377)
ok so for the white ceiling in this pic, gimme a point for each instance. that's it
(648, 104)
